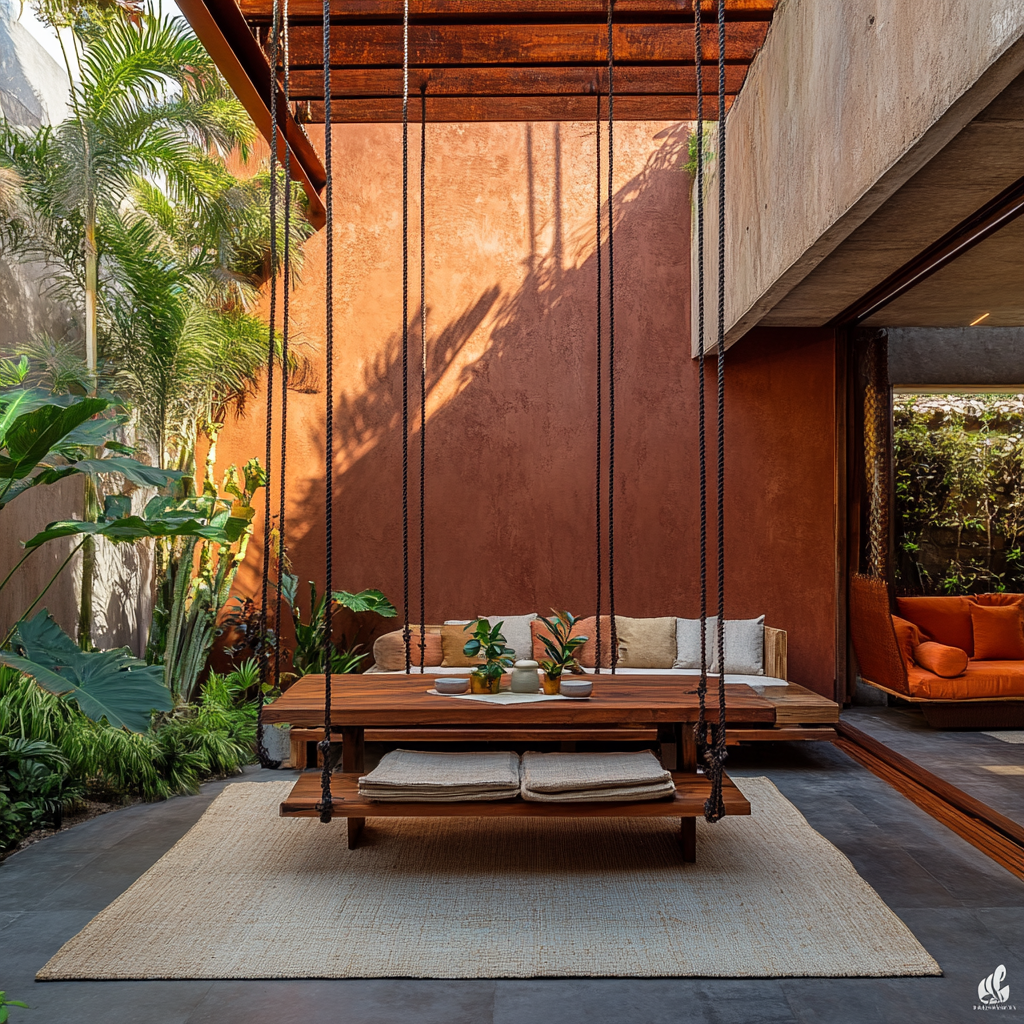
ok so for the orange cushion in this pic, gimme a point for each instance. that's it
(998, 600)
(946, 620)
(585, 627)
(908, 636)
(389, 653)
(998, 633)
(947, 662)
(981, 680)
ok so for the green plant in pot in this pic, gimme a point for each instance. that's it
(489, 644)
(562, 649)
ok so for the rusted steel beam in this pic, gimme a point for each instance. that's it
(220, 27)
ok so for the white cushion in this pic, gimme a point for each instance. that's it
(748, 680)
(744, 645)
(688, 643)
(516, 632)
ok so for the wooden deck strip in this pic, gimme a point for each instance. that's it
(797, 705)
(691, 792)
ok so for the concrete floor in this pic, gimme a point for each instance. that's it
(962, 758)
(966, 910)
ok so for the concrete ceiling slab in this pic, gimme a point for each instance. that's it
(985, 157)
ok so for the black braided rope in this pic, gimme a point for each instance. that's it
(701, 729)
(405, 336)
(600, 471)
(285, 316)
(715, 806)
(326, 800)
(611, 343)
(261, 750)
(423, 374)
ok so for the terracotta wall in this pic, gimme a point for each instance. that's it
(511, 393)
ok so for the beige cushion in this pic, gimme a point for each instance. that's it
(453, 639)
(516, 631)
(646, 643)
(389, 654)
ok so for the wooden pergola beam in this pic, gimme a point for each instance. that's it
(258, 11)
(518, 45)
(449, 109)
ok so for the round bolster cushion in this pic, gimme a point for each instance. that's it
(942, 660)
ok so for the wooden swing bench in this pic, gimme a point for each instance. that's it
(360, 704)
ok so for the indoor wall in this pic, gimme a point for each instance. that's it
(511, 368)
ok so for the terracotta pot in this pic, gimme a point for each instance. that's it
(551, 684)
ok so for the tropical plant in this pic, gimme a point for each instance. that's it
(96, 760)
(5, 1014)
(147, 109)
(959, 498)
(307, 656)
(488, 642)
(560, 645)
(111, 686)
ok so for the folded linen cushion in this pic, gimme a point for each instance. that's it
(564, 772)
(656, 791)
(443, 776)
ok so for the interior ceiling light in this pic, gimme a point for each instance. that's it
(980, 318)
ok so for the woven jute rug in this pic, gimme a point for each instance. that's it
(246, 894)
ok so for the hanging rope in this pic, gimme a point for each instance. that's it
(713, 752)
(715, 807)
(406, 635)
(423, 374)
(325, 744)
(600, 471)
(261, 750)
(701, 729)
(285, 316)
(611, 344)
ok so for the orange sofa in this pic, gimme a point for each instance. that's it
(961, 658)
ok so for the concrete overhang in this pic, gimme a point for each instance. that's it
(865, 131)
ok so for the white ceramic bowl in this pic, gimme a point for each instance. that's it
(452, 684)
(576, 688)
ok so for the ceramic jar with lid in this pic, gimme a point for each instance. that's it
(525, 677)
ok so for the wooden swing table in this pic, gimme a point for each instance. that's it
(400, 706)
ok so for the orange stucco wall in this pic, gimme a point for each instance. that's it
(511, 393)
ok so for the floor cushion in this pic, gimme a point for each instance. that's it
(946, 620)
(998, 633)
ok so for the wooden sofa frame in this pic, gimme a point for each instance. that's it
(882, 667)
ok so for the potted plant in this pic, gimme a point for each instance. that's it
(489, 643)
(561, 648)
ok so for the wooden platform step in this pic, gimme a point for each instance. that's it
(691, 792)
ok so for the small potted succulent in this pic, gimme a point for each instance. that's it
(561, 649)
(489, 643)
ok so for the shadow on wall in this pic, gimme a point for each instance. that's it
(511, 400)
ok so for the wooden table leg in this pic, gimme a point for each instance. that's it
(688, 835)
(668, 744)
(688, 745)
(352, 760)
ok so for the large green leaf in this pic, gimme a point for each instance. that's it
(112, 685)
(33, 436)
(365, 601)
(20, 401)
(131, 469)
(128, 528)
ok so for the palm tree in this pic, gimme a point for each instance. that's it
(149, 107)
